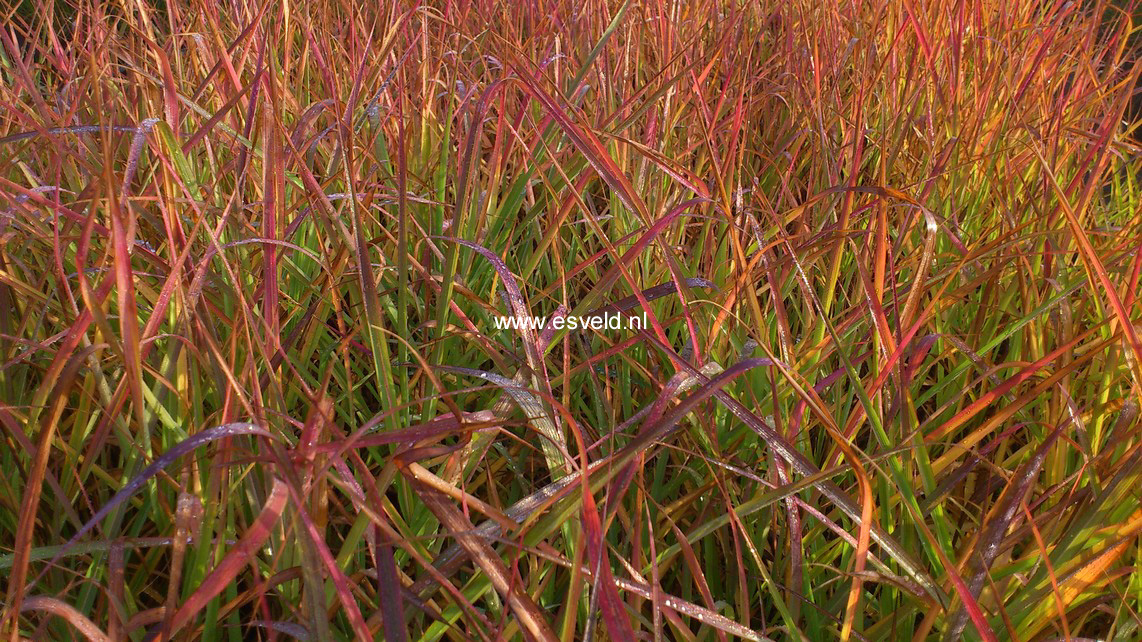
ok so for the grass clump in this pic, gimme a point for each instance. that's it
(254, 253)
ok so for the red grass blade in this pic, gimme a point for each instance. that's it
(236, 558)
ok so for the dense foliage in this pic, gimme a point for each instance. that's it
(252, 254)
